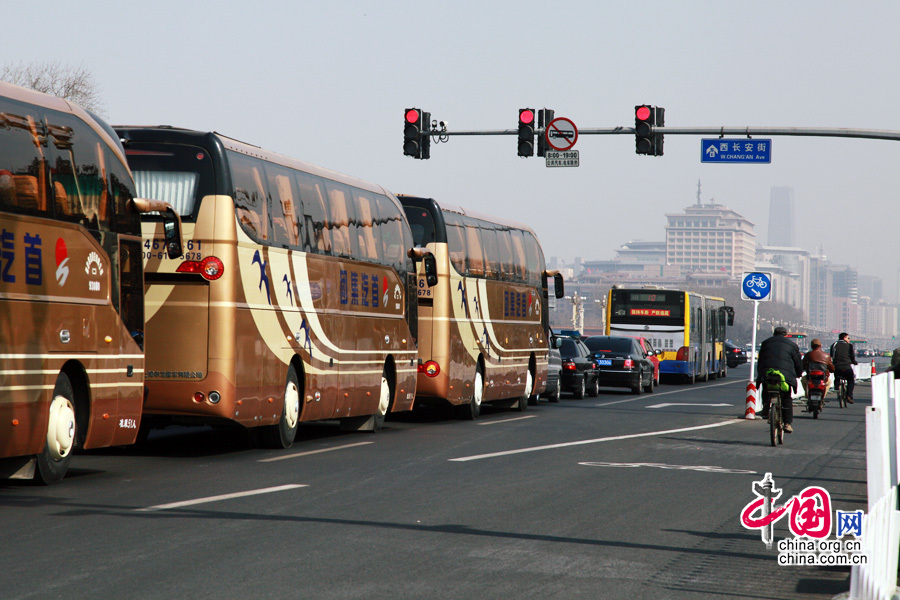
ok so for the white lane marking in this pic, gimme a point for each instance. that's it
(299, 454)
(507, 420)
(280, 488)
(680, 391)
(665, 404)
(705, 469)
(594, 441)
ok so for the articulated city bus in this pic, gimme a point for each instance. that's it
(296, 300)
(484, 327)
(689, 328)
(71, 286)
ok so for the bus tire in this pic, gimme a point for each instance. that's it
(281, 435)
(471, 410)
(522, 404)
(53, 461)
(385, 398)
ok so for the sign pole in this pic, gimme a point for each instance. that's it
(753, 346)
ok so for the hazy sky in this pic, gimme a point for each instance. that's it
(327, 82)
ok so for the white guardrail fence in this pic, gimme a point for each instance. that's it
(877, 580)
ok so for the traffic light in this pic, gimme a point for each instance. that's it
(545, 116)
(526, 132)
(646, 139)
(416, 133)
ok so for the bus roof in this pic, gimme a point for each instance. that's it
(163, 133)
(472, 213)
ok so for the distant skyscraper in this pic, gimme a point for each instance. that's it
(781, 217)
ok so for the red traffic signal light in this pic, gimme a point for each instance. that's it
(416, 133)
(646, 140)
(526, 132)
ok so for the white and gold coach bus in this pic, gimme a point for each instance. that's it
(71, 287)
(295, 300)
(484, 327)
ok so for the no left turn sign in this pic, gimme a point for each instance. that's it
(561, 134)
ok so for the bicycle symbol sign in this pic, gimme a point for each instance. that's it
(756, 286)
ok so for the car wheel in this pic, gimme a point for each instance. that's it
(638, 388)
(581, 389)
(649, 387)
(594, 390)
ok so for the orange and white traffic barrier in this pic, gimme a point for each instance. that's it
(750, 411)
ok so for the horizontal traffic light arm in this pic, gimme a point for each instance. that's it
(879, 134)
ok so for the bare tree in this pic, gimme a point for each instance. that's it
(74, 83)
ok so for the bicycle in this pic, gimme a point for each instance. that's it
(841, 390)
(772, 387)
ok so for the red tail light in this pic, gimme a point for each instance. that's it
(684, 353)
(629, 364)
(569, 366)
(211, 268)
(430, 368)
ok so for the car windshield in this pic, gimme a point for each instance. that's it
(609, 344)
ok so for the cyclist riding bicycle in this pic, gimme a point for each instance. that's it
(816, 360)
(844, 358)
(781, 354)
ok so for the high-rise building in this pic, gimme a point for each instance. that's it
(781, 217)
(710, 238)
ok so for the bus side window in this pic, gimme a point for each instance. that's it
(249, 196)
(504, 241)
(285, 225)
(474, 243)
(519, 260)
(389, 225)
(22, 165)
(315, 218)
(533, 258)
(339, 214)
(456, 242)
(370, 245)
(491, 252)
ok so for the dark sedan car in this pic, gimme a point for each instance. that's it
(622, 362)
(734, 355)
(579, 371)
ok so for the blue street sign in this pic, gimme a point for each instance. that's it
(756, 286)
(740, 150)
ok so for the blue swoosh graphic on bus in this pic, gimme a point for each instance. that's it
(263, 278)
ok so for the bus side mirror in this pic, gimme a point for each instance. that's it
(172, 233)
(729, 311)
(428, 260)
(171, 223)
(559, 289)
(430, 263)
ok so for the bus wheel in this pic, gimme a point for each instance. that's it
(282, 434)
(522, 404)
(53, 461)
(470, 411)
(384, 400)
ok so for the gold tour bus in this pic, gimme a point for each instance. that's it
(296, 297)
(484, 327)
(71, 286)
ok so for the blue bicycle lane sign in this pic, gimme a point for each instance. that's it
(756, 286)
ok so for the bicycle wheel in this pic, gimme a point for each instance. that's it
(774, 418)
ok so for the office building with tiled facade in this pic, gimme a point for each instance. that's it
(710, 238)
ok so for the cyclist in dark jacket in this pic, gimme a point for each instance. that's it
(778, 352)
(844, 358)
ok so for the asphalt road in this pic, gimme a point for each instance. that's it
(619, 496)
